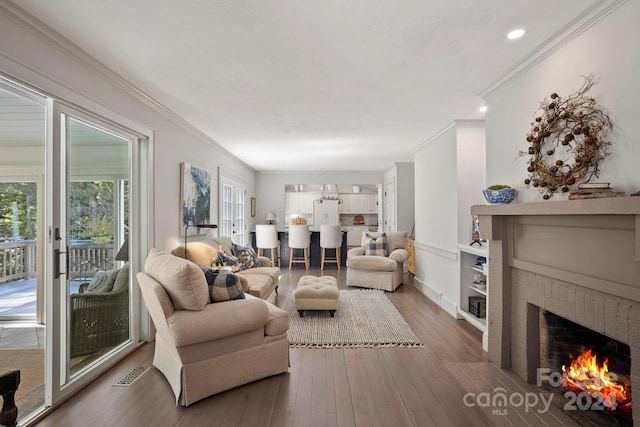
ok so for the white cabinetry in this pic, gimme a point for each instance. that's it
(354, 234)
(359, 203)
(472, 276)
(298, 203)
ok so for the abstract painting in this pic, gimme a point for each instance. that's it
(196, 198)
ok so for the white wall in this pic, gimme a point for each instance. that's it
(269, 190)
(608, 50)
(436, 218)
(31, 58)
(471, 154)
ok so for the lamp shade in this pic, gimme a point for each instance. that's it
(123, 253)
(271, 218)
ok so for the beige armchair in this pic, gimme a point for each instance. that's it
(204, 348)
(375, 271)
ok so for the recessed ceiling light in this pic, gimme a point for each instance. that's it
(483, 109)
(515, 34)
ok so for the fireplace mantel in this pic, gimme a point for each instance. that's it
(579, 259)
(604, 206)
(629, 207)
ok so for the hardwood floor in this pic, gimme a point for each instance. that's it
(391, 386)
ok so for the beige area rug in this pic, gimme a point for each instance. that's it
(30, 363)
(365, 318)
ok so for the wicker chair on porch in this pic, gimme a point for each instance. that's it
(99, 320)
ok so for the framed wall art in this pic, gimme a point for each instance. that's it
(195, 199)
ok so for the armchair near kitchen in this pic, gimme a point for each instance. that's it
(374, 270)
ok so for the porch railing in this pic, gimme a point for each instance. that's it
(18, 259)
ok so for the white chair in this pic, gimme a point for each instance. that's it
(267, 238)
(330, 238)
(299, 238)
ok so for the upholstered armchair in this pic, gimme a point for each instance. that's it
(204, 348)
(372, 266)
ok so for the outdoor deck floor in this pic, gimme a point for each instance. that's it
(18, 298)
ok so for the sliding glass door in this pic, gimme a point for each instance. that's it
(92, 309)
(74, 215)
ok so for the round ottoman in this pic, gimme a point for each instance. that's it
(316, 293)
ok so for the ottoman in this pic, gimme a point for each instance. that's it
(316, 293)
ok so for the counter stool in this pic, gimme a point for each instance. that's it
(267, 238)
(330, 238)
(299, 238)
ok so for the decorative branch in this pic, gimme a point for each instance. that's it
(567, 142)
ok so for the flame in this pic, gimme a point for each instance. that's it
(586, 374)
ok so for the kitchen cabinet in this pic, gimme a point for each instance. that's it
(354, 234)
(359, 203)
(301, 203)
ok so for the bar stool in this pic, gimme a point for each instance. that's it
(267, 238)
(330, 238)
(299, 238)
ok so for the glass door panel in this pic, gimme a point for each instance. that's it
(22, 169)
(98, 309)
(232, 210)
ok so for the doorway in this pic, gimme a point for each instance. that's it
(73, 192)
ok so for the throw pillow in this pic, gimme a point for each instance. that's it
(376, 245)
(182, 279)
(122, 279)
(247, 257)
(102, 282)
(222, 259)
(223, 284)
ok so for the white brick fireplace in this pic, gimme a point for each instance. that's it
(578, 259)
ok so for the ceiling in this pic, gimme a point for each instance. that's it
(316, 84)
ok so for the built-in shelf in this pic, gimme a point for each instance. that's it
(468, 269)
(473, 288)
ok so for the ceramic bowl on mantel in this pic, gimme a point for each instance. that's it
(506, 195)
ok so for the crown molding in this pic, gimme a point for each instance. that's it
(70, 50)
(573, 29)
(434, 137)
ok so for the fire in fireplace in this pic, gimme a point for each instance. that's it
(586, 374)
(595, 368)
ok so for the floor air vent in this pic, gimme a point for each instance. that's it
(131, 377)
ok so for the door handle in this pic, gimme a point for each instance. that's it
(56, 262)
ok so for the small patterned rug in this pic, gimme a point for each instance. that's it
(365, 318)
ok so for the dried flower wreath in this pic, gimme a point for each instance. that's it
(576, 123)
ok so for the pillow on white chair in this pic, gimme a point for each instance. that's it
(376, 246)
(183, 280)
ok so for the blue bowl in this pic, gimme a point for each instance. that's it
(506, 195)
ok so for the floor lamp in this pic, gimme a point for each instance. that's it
(198, 226)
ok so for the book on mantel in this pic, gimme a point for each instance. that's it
(594, 190)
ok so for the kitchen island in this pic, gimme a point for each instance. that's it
(314, 252)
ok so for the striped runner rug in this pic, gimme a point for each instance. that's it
(365, 318)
